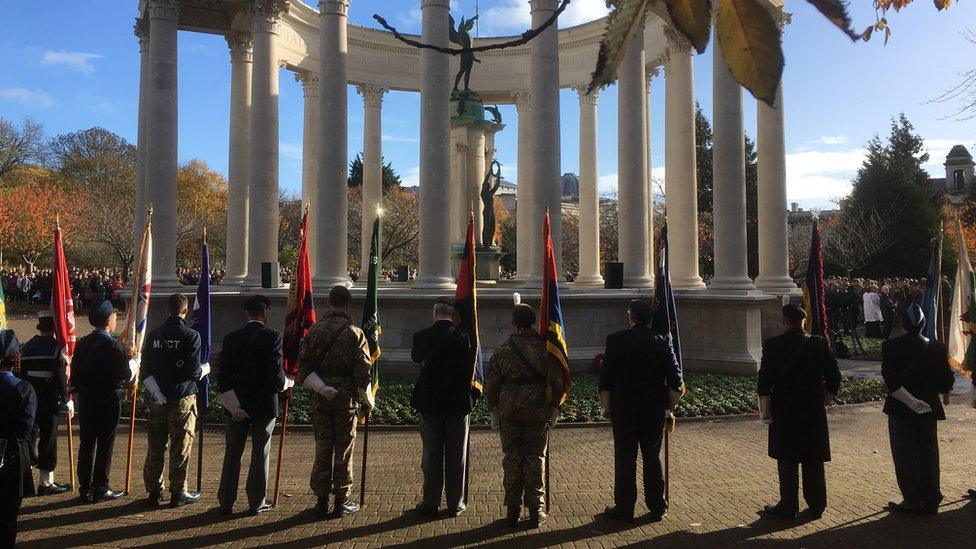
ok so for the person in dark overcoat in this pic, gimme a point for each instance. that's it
(916, 371)
(797, 377)
(18, 406)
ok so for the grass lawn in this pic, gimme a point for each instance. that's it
(872, 348)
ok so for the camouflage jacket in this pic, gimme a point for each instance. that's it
(517, 391)
(338, 352)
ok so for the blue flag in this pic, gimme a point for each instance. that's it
(665, 319)
(930, 299)
(200, 322)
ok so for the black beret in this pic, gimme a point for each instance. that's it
(8, 343)
(524, 315)
(98, 316)
(45, 321)
(257, 303)
(641, 309)
(340, 294)
(794, 312)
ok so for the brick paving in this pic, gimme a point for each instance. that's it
(720, 477)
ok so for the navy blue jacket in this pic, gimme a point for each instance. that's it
(99, 365)
(43, 354)
(18, 409)
(920, 366)
(172, 354)
(444, 383)
(250, 363)
(638, 368)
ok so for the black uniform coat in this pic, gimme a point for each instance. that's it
(920, 366)
(100, 365)
(18, 408)
(250, 363)
(444, 383)
(799, 429)
(172, 354)
(638, 368)
(43, 354)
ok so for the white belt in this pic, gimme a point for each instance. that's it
(40, 375)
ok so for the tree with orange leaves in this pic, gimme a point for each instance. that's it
(27, 214)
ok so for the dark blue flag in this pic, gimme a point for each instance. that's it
(200, 321)
(665, 319)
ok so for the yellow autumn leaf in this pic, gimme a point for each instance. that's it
(693, 18)
(621, 26)
(750, 43)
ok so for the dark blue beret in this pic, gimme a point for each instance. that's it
(794, 312)
(257, 303)
(8, 343)
(98, 316)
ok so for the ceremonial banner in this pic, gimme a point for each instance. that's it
(301, 308)
(551, 323)
(814, 295)
(134, 328)
(371, 320)
(63, 308)
(665, 319)
(200, 321)
(466, 305)
(962, 355)
(930, 299)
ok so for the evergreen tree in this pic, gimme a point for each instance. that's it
(891, 182)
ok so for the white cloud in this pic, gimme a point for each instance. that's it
(290, 151)
(400, 139)
(27, 97)
(510, 17)
(823, 175)
(607, 184)
(834, 140)
(411, 178)
(76, 61)
(583, 11)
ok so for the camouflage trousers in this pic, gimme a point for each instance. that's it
(335, 436)
(171, 425)
(524, 445)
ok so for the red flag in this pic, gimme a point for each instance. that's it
(551, 324)
(301, 309)
(466, 305)
(62, 304)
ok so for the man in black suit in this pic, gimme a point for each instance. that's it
(443, 397)
(797, 377)
(18, 405)
(250, 376)
(916, 371)
(100, 369)
(639, 368)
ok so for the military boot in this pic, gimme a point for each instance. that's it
(536, 517)
(322, 509)
(512, 518)
(154, 498)
(345, 507)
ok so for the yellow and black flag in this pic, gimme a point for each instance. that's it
(466, 306)
(551, 325)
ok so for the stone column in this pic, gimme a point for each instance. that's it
(651, 240)
(333, 224)
(526, 236)
(633, 236)
(475, 176)
(263, 199)
(459, 187)
(545, 173)
(589, 194)
(310, 159)
(729, 182)
(681, 171)
(372, 165)
(162, 133)
(239, 157)
(141, 30)
(435, 152)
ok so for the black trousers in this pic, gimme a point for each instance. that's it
(814, 485)
(44, 437)
(9, 508)
(915, 451)
(235, 435)
(629, 435)
(98, 418)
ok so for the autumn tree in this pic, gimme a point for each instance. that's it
(20, 146)
(855, 237)
(93, 157)
(202, 195)
(27, 232)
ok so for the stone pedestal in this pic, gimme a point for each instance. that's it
(488, 266)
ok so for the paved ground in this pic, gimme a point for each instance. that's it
(720, 476)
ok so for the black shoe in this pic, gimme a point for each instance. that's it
(536, 517)
(225, 511)
(346, 507)
(186, 498)
(900, 507)
(457, 511)
(322, 508)
(657, 515)
(107, 495)
(815, 514)
(971, 494)
(52, 489)
(84, 496)
(427, 510)
(617, 513)
(512, 517)
(778, 512)
(154, 498)
(260, 509)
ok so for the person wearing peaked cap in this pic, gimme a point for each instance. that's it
(916, 370)
(798, 375)
(18, 405)
(99, 373)
(250, 377)
(43, 366)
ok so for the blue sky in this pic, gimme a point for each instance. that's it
(76, 65)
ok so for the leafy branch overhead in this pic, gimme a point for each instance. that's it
(747, 31)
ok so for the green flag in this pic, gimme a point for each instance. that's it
(371, 320)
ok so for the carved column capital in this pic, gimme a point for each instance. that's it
(163, 9)
(461, 148)
(266, 14)
(282, 63)
(650, 73)
(676, 42)
(782, 18)
(239, 43)
(141, 30)
(340, 7)
(372, 95)
(309, 81)
(523, 100)
(585, 98)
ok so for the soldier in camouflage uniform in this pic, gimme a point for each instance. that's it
(335, 364)
(523, 387)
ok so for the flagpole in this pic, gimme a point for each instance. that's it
(202, 413)
(69, 414)
(281, 446)
(134, 351)
(379, 265)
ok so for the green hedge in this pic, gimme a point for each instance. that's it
(708, 395)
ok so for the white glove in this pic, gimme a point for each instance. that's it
(238, 415)
(229, 400)
(916, 405)
(766, 409)
(315, 383)
(289, 382)
(154, 390)
(365, 397)
(553, 417)
(605, 404)
(495, 421)
(71, 408)
(204, 371)
(329, 392)
(134, 364)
